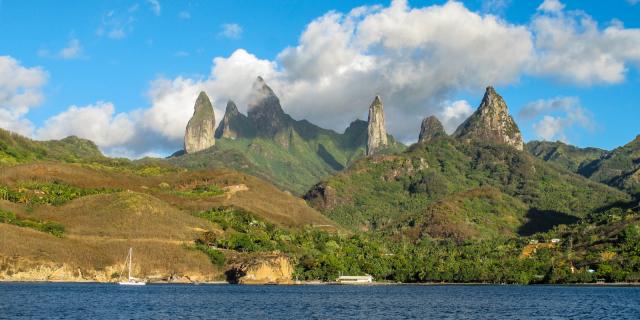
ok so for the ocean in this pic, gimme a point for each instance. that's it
(168, 301)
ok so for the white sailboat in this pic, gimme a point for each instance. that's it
(131, 281)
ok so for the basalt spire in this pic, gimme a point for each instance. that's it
(491, 122)
(376, 131)
(199, 134)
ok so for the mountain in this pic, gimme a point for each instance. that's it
(476, 185)
(376, 130)
(491, 122)
(430, 129)
(199, 134)
(265, 112)
(566, 156)
(234, 124)
(268, 143)
(619, 168)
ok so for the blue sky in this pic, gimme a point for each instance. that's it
(126, 73)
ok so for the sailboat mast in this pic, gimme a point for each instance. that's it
(130, 252)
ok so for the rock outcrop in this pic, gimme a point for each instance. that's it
(234, 124)
(491, 122)
(273, 268)
(376, 131)
(430, 129)
(199, 134)
(265, 111)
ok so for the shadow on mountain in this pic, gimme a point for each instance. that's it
(544, 220)
(328, 158)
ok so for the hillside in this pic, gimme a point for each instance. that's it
(565, 156)
(448, 188)
(475, 185)
(76, 221)
(15, 148)
(619, 168)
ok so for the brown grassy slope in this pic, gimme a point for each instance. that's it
(31, 252)
(260, 198)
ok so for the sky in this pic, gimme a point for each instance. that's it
(126, 74)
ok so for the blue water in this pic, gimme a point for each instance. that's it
(102, 301)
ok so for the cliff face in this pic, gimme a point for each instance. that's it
(265, 111)
(263, 269)
(491, 122)
(430, 129)
(376, 131)
(234, 124)
(199, 134)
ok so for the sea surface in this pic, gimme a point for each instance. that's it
(106, 301)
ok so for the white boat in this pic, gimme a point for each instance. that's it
(131, 280)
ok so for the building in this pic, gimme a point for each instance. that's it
(355, 279)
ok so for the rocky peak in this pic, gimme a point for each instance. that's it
(430, 129)
(265, 111)
(491, 122)
(376, 132)
(234, 124)
(199, 134)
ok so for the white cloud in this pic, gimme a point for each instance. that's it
(550, 128)
(20, 90)
(184, 15)
(231, 30)
(633, 2)
(570, 46)
(453, 114)
(557, 116)
(551, 6)
(98, 123)
(154, 5)
(72, 51)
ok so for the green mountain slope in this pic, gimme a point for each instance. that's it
(566, 156)
(619, 168)
(15, 148)
(451, 189)
(293, 160)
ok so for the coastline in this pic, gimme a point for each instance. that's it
(316, 283)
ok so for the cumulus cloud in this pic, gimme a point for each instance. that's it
(453, 114)
(557, 116)
(97, 122)
(231, 30)
(20, 90)
(72, 51)
(572, 47)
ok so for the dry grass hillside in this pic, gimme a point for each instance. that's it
(104, 211)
